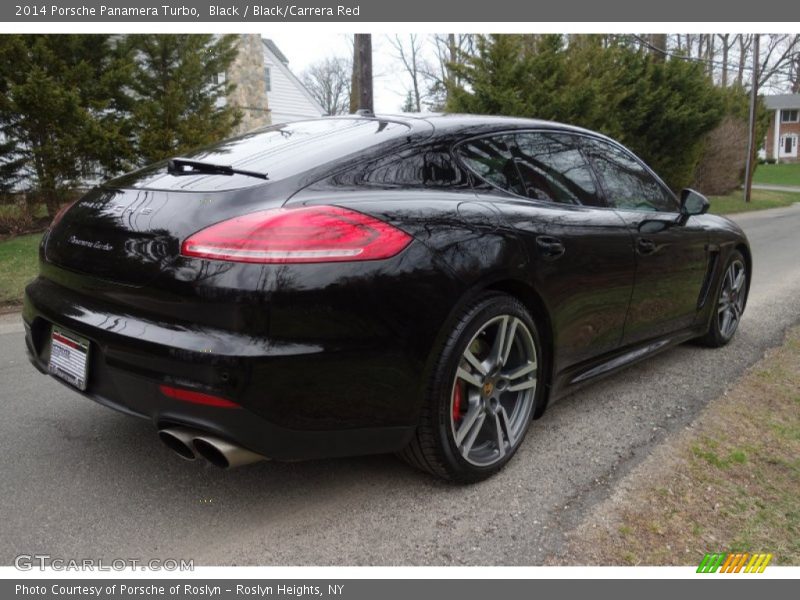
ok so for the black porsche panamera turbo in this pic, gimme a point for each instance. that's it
(353, 285)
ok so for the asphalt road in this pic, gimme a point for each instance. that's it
(776, 188)
(79, 480)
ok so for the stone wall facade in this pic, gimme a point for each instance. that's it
(250, 94)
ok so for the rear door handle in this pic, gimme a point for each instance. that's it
(550, 247)
(645, 246)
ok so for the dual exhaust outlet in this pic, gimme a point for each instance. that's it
(191, 443)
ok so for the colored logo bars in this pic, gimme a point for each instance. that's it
(734, 563)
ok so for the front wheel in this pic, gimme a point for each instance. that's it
(731, 297)
(482, 393)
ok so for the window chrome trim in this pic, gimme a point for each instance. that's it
(578, 134)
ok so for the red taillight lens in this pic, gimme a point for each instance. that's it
(61, 212)
(312, 234)
(196, 397)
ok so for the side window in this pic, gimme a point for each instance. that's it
(554, 169)
(627, 183)
(490, 158)
(419, 167)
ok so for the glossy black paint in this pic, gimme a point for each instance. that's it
(333, 359)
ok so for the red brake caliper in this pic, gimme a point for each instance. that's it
(458, 397)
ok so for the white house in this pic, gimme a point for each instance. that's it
(266, 91)
(288, 98)
(784, 127)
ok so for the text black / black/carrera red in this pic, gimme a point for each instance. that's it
(352, 285)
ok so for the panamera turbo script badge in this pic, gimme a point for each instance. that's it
(104, 246)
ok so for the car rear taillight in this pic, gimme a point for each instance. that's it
(313, 234)
(60, 214)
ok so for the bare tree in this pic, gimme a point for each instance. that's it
(728, 58)
(776, 59)
(711, 51)
(328, 80)
(727, 44)
(450, 49)
(409, 52)
(794, 74)
(745, 41)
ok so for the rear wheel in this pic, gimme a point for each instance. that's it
(482, 393)
(731, 297)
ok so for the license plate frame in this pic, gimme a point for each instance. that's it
(69, 357)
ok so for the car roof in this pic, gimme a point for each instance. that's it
(451, 122)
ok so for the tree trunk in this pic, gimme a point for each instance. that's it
(452, 48)
(415, 78)
(658, 49)
(725, 49)
(710, 54)
(743, 46)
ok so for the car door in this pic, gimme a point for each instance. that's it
(671, 254)
(580, 255)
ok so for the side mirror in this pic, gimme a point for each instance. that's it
(693, 203)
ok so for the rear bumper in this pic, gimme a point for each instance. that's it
(297, 400)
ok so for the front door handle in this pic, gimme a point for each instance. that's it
(550, 247)
(645, 246)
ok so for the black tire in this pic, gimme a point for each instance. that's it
(728, 300)
(502, 406)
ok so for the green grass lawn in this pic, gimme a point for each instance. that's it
(778, 174)
(759, 200)
(18, 265)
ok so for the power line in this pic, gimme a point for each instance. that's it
(731, 66)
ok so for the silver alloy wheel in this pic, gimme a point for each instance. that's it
(493, 391)
(731, 299)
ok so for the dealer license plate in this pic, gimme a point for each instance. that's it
(69, 357)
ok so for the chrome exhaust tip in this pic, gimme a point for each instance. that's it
(179, 440)
(223, 454)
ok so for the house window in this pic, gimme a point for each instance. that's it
(267, 79)
(218, 78)
(789, 116)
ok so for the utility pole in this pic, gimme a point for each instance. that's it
(361, 93)
(751, 142)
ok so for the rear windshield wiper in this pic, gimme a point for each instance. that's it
(182, 166)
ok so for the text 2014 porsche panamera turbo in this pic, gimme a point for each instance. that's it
(354, 285)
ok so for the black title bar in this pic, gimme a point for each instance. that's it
(440, 11)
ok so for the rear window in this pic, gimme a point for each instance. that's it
(280, 151)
